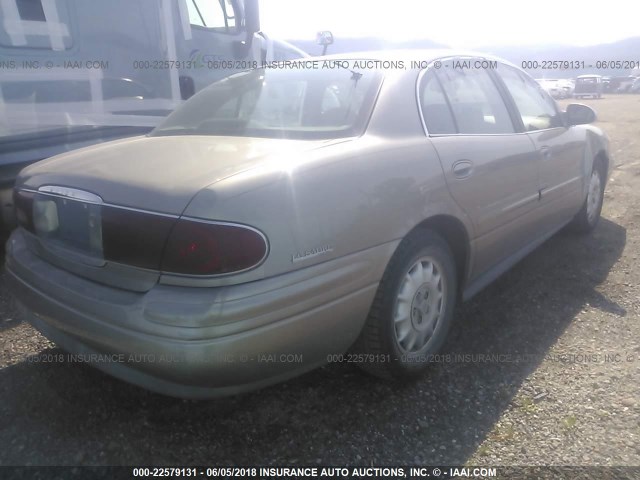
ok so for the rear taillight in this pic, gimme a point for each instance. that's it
(134, 238)
(212, 248)
(154, 241)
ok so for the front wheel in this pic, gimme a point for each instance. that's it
(413, 308)
(589, 215)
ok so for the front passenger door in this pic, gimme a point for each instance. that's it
(490, 170)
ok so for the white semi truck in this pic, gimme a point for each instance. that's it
(78, 72)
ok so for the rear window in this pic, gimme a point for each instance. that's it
(463, 100)
(280, 103)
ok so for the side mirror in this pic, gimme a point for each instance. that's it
(251, 17)
(578, 114)
(187, 87)
(251, 26)
(324, 39)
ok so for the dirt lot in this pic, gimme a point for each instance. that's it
(565, 389)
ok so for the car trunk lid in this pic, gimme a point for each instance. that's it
(159, 174)
(115, 205)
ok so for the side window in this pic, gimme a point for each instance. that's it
(477, 105)
(218, 15)
(435, 109)
(31, 10)
(536, 107)
(35, 24)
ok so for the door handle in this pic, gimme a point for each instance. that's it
(462, 168)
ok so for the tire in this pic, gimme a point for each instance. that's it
(589, 215)
(415, 299)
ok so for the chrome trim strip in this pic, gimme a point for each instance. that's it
(520, 203)
(139, 210)
(546, 189)
(418, 103)
(72, 193)
(57, 194)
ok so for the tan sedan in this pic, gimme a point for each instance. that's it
(285, 216)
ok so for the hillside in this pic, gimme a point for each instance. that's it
(345, 45)
(628, 49)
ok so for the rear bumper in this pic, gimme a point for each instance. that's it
(200, 342)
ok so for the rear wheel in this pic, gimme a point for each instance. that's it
(589, 215)
(413, 308)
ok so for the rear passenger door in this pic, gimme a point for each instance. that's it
(560, 148)
(490, 169)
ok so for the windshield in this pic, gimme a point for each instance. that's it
(280, 103)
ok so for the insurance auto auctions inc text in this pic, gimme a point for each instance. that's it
(337, 64)
(376, 472)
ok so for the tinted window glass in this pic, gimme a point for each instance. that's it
(215, 14)
(475, 100)
(537, 109)
(31, 10)
(435, 109)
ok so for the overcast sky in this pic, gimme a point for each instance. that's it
(458, 23)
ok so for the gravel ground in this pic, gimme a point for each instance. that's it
(552, 376)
